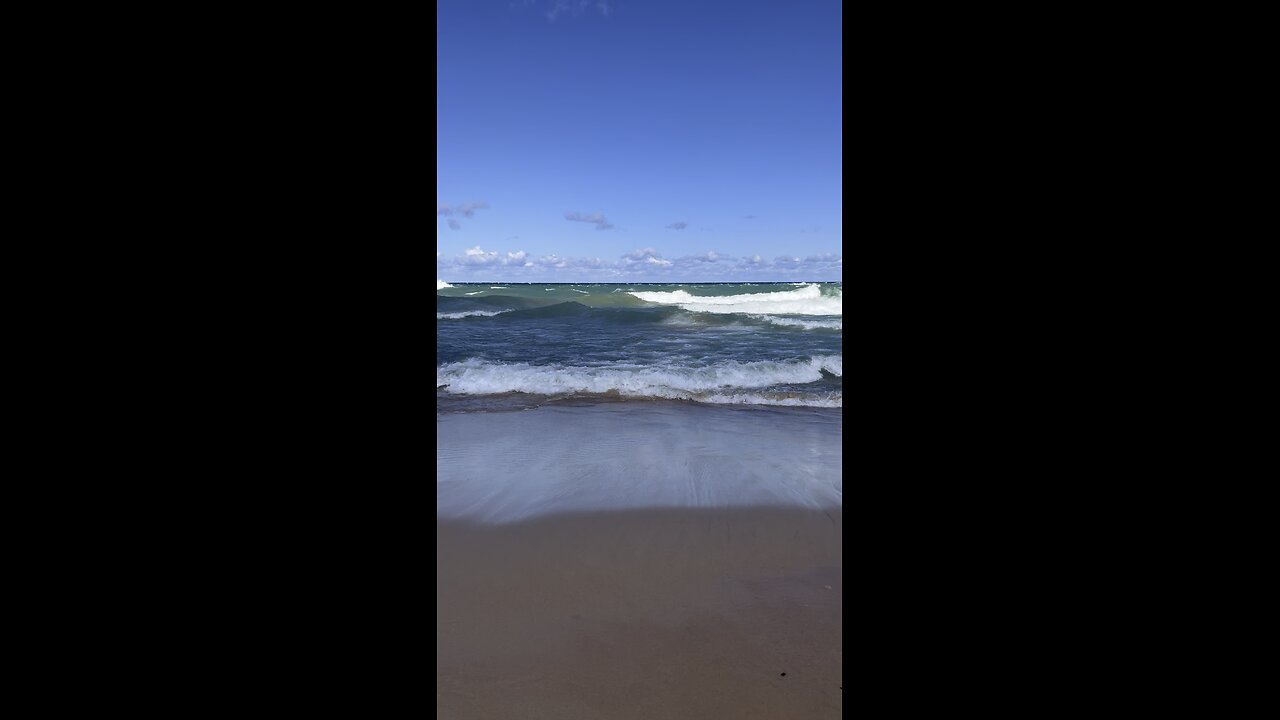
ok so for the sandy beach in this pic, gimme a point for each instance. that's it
(639, 360)
(563, 591)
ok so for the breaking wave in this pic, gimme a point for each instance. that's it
(808, 300)
(796, 322)
(727, 382)
(469, 313)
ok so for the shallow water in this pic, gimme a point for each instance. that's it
(510, 466)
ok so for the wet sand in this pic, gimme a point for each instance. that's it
(509, 466)
(596, 608)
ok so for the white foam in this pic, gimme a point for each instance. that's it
(440, 284)
(807, 300)
(584, 292)
(474, 293)
(469, 313)
(831, 400)
(806, 324)
(497, 287)
(721, 383)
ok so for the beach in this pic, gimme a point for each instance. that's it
(639, 560)
(639, 360)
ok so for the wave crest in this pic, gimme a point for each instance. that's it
(469, 313)
(797, 322)
(808, 300)
(722, 383)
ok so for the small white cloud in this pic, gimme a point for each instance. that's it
(641, 254)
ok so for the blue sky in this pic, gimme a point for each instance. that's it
(638, 141)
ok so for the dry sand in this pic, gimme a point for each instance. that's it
(676, 613)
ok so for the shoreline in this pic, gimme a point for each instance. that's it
(510, 466)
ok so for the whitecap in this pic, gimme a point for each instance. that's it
(796, 322)
(726, 382)
(469, 313)
(808, 300)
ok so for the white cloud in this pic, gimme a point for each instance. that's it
(478, 256)
(708, 257)
(638, 265)
(638, 255)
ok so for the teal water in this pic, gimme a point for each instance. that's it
(760, 345)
